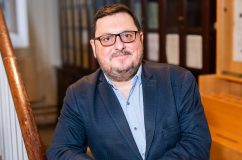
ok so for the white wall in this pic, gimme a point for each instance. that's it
(37, 62)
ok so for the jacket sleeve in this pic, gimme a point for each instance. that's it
(69, 140)
(195, 139)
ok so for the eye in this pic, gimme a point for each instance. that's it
(128, 35)
(106, 38)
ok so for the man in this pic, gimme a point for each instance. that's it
(129, 109)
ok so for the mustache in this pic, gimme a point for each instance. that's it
(121, 52)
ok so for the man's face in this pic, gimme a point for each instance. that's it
(119, 61)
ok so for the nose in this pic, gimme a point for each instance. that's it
(119, 44)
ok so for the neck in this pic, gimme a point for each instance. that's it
(124, 87)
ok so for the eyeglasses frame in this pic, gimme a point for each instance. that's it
(99, 38)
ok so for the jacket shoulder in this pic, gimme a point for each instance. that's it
(86, 83)
(162, 70)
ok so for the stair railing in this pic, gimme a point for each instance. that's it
(19, 137)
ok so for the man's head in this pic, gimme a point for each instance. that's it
(117, 42)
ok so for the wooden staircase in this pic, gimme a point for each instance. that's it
(21, 105)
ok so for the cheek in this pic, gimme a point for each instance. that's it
(103, 53)
(138, 50)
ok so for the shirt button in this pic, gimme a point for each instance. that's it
(128, 103)
(135, 128)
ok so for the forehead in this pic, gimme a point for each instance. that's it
(115, 23)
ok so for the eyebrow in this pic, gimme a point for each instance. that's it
(114, 33)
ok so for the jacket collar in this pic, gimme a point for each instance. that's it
(150, 98)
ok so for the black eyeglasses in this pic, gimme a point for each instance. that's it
(109, 39)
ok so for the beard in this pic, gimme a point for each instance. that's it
(120, 74)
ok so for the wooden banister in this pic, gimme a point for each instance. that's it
(21, 102)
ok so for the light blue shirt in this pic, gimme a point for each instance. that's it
(133, 109)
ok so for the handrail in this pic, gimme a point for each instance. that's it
(21, 102)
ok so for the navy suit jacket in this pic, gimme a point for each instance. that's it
(175, 124)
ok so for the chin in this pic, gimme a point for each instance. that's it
(124, 67)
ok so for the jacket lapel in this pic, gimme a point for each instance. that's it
(116, 113)
(150, 99)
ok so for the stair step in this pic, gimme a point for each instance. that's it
(45, 115)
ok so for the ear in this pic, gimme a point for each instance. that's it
(92, 42)
(141, 37)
